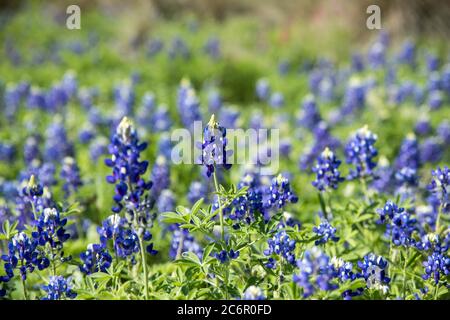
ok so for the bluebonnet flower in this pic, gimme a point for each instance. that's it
(408, 53)
(326, 231)
(98, 148)
(86, 134)
(254, 194)
(389, 210)
(360, 151)
(70, 173)
(377, 55)
(432, 62)
(263, 89)
(436, 265)
(276, 100)
(154, 47)
(178, 48)
(443, 131)
(229, 117)
(166, 201)
(125, 149)
(160, 176)
(422, 127)
(57, 145)
(214, 147)
(56, 98)
(290, 221)
(36, 99)
(69, 83)
(283, 67)
(431, 150)
(11, 100)
(95, 259)
(279, 193)
(402, 228)
(25, 255)
(354, 97)
(439, 185)
(281, 245)
(309, 116)
(315, 273)
(188, 105)
(31, 150)
(285, 147)
(7, 152)
(409, 154)
(327, 171)
(145, 112)
(165, 146)
(374, 271)
(223, 256)
(435, 100)
(197, 190)
(407, 179)
(50, 229)
(357, 62)
(343, 270)
(212, 47)
(433, 82)
(58, 288)
(126, 241)
(183, 241)
(253, 293)
(161, 120)
(322, 140)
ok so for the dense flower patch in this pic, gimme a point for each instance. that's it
(93, 205)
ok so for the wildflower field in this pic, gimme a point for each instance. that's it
(344, 196)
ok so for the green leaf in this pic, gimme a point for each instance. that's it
(172, 217)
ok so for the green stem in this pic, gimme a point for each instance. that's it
(404, 275)
(436, 290)
(365, 190)
(144, 266)
(25, 293)
(323, 205)
(216, 185)
(438, 219)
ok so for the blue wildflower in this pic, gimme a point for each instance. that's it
(374, 271)
(24, 255)
(223, 256)
(360, 151)
(326, 231)
(183, 241)
(309, 116)
(281, 245)
(125, 150)
(327, 173)
(279, 193)
(214, 147)
(70, 173)
(58, 288)
(95, 259)
(439, 185)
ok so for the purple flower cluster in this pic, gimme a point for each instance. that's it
(125, 150)
(327, 171)
(280, 245)
(214, 147)
(58, 288)
(360, 151)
